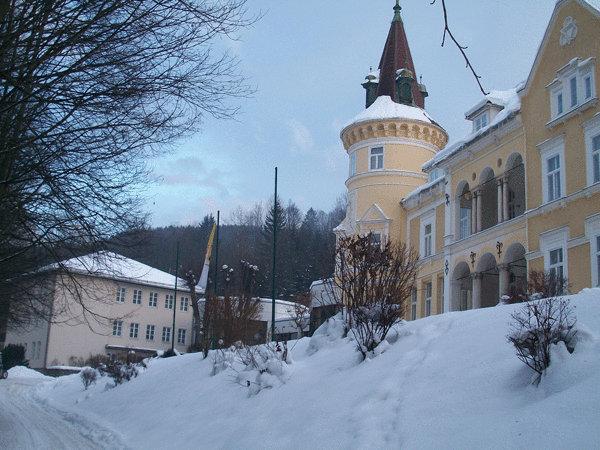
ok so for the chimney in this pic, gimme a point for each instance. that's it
(371, 84)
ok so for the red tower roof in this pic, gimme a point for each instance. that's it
(396, 55)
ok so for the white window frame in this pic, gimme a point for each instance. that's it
(166, 334)
(184, 303)
(428, 295)
(548, 150)
(591, 130)
(121, 293)
(169, 301)
(427, 219)
(137, 296)
(578, 70)
(117, 330)
(134, 330)
(481, 121)
(413, 305)
(352, 164)
(551, 241)
(181, 335)
(153, 300)
(378, 158)
(592, 232)
(150, 330)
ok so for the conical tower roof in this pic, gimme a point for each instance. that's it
(396, 55)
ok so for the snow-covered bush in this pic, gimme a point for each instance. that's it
(330, 331)
(88, 376)
(262, 366)
(119, 371)
(539, 325)
(222, 359)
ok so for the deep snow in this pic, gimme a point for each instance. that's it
(448, 381)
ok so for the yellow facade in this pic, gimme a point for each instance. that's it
(521, 194)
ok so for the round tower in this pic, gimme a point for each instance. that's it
(388, 143)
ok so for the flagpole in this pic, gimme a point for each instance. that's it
(274, 260)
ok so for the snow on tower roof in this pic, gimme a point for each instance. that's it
(384, 108)
(114, 266)
(512, 105)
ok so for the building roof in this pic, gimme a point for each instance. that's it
(511, 104)
(396, 55)
(118, 267)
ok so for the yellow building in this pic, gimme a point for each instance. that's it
(520, 193)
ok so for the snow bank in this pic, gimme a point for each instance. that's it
(448, 381)
(24, 372)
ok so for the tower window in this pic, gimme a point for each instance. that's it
(376, 160)
(352, 170)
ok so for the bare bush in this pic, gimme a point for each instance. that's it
(537, 326)
(97, 361)
(546, 284)
(88, 376)
(373, 282)
(234, 316)
(119, 371)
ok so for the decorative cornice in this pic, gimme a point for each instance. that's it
(393, 140)
(390, 128)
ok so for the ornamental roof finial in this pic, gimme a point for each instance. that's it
(397, 9)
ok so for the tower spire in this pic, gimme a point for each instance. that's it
(396, 55)
(397, 9)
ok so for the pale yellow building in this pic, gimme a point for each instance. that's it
(519, 193)
(106, 304)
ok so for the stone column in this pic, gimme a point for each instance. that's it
(504, 279)
(473, 213)
(476, 276)
(479, 205)
(500, 201)
(505, 197)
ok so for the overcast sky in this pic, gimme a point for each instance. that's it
(307, 60)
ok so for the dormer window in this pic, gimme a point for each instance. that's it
(481, 121)
(572, 88)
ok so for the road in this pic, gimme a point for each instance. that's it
(27, 423)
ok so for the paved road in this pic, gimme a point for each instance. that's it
(27, 423)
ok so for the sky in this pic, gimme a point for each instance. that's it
(307, 60)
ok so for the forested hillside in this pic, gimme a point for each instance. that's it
(305, 249)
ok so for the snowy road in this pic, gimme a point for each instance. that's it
(26, 423)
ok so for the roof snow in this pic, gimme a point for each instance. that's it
(498, 98)
(594, 4)
(384, 108)
(423, 188)
(115, 266)
(511, 103)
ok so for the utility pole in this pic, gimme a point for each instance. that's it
(175, 299)
(274, 260)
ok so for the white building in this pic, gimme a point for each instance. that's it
(104, 303)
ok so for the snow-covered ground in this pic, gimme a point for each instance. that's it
(449, 381)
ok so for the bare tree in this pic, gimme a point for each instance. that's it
(234, 316)
(89, 92)
(373, 282)
(300, 311)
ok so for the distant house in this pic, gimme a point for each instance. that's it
(104, 303)
(323, 303)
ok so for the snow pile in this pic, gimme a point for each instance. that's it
(508, 99)
(384, 108)
(448, 381)
(24, 372)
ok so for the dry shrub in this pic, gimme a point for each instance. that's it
(537, 326)
(374, 283)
